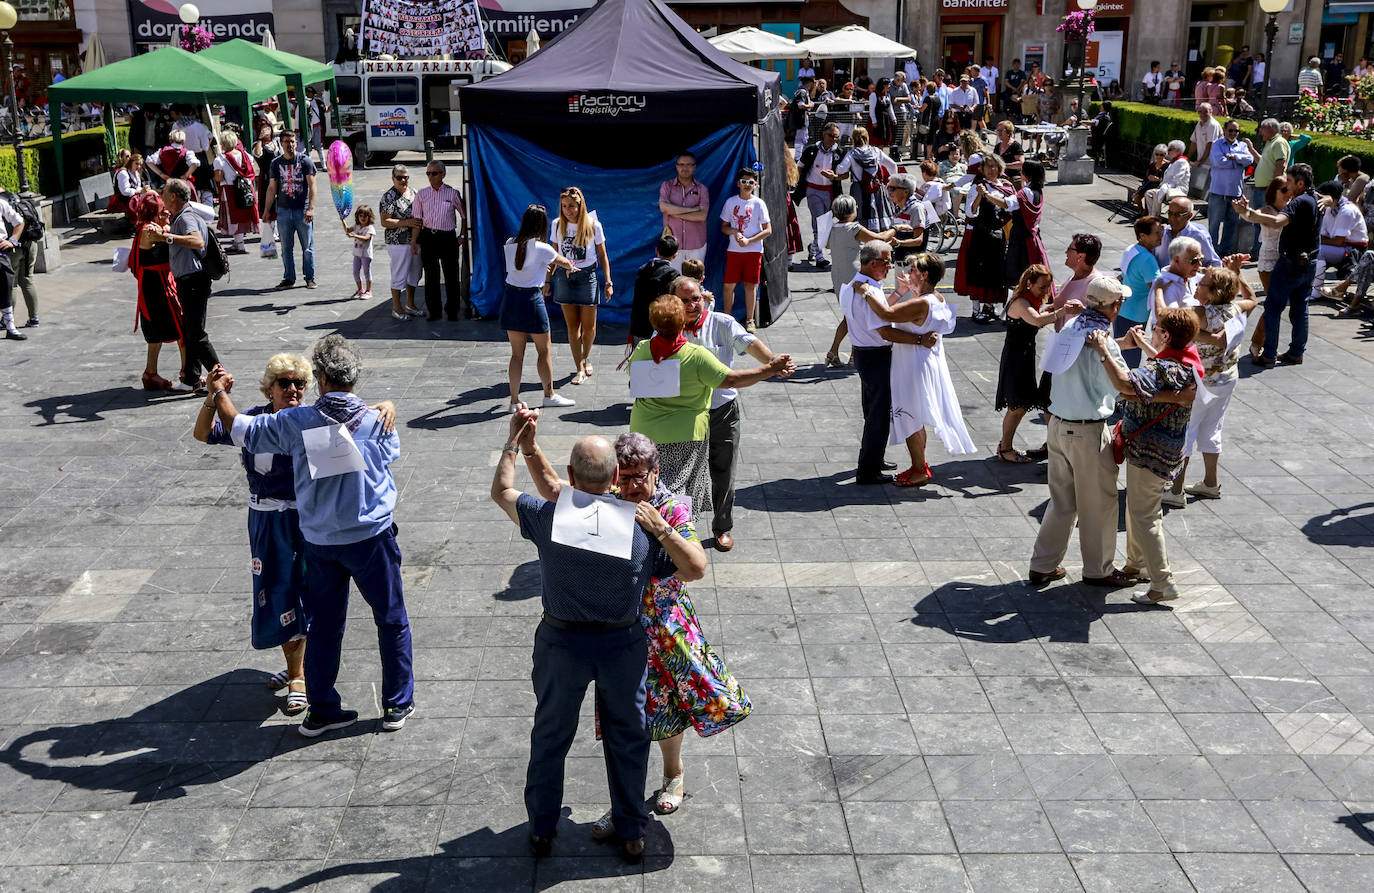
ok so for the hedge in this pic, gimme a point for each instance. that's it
(1148, 125)
(83, 154)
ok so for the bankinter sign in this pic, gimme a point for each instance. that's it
(963, 6)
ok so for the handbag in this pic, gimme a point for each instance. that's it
(1119, 441)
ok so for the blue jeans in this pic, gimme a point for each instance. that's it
(291, 224)
(565, 662)
(1221, 213)
(374, 565)
(1290, 287)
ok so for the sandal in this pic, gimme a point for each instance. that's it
(1016, 458)
(1039, 454)
(832, 361)
(278, 680)
(588, 370)
(295, 700)
(669, 796)
(578, 378)
(909, 477)
(604, 827)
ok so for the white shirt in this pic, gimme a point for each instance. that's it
(723, 336)
(748, 216)
(1345, 220)
(825, 161)
(128, 184)
(1257, 73)
(1012, 202)
(1178, 174)
(990, 75)
(863, 322)
(221, 164)
(583, 257)
(1203, 137)
(9, 219)
(961, 98)
(363, 249)
(1178, 292)
(1153, 80)
(538, 256)
(913, 71)
(197, 134)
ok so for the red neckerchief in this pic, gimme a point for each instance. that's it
(661, 348)
(701, 321)
(1188, 357)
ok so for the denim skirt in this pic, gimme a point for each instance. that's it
(578, 287)
(522, 310)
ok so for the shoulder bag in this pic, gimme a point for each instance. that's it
(1119, 441)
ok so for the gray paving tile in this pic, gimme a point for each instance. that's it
(1006, 826)
(778, 828)
(915, 827)
(1112, 826)
(1121, 872)
(988, 873)
(1236, 872)
(1217, 826)
(927, 874)
(812, 874)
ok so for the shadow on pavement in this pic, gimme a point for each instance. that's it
(1006, 613)
(1341, 527)
(89, 406)
(201, 735)
(490, 860)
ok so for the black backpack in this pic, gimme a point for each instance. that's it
(33, 222)
(213, 260)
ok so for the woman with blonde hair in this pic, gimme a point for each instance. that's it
(1217, 293)
(869, 167)
(574, 233)
(238, 205)
(274, 526)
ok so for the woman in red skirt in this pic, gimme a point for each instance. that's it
(238, 208)
(159, 311)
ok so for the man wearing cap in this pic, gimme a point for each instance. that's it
(1082, 470)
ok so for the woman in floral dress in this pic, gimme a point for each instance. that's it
(688, 685)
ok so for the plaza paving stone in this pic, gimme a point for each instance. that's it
(924, 719)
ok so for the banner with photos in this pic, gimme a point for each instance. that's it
(416, 28)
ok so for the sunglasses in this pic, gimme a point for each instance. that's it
(434, 173)
(747, 182)
(297, 383)
(1195, 260)
(627, 478)
(400, 177)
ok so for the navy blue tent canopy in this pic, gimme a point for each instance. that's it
(634, 61)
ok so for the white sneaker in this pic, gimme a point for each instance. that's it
(1202, 491)
(367, 295)
(1174, 500)
(558, 400)
(181, 387)
(513, 408)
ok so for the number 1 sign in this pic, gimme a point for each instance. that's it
(596, 523)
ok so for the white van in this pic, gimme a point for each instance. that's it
(394, 106)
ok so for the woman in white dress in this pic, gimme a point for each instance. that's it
(922, 391)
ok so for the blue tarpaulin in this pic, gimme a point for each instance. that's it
(509, 173)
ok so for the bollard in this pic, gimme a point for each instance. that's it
(429, 151)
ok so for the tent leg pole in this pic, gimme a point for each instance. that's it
(466, 286)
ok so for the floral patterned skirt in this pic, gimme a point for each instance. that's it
(688, 684)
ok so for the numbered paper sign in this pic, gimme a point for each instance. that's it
(596, 523)
(1063, 349)
(330, 451)
(650, 379)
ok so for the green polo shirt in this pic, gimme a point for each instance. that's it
(1275, 150)
(686, 417)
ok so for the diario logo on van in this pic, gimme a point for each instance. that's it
(605, 103)
(393, 123)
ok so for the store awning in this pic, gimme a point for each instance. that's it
(1349, 8)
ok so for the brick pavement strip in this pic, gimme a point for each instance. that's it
(924, 720)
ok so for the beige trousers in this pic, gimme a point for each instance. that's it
(1082, 476)
(1145, 528)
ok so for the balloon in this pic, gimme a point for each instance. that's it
(342, 193)
(339, 162)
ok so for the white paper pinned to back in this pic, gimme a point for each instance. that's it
(601, 524)
(1063, 348)
(330, 451)
(650, 379)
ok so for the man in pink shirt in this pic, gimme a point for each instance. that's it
(1080, 257)
(685, 204)
(440, 209)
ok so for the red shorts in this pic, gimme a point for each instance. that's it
(743, 266)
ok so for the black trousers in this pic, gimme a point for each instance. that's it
(874, 365)
(724, 452)
(439, 252)
(194, 293)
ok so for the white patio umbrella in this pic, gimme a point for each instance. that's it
(753, 44)
(531, 42)
(268, 40)
(852, 42)
(94, 57)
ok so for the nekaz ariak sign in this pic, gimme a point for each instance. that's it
(158, 22)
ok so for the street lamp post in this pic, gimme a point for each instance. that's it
(8, 19)
(1271, 30)
(1086, 6)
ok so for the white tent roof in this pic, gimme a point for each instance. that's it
(753, 44)
(852, 41)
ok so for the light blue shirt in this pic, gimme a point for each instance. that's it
(942, 91)
(1139, 267)
(339, 510)
(1084, 391)
(1230, 158)
(1193, 231)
